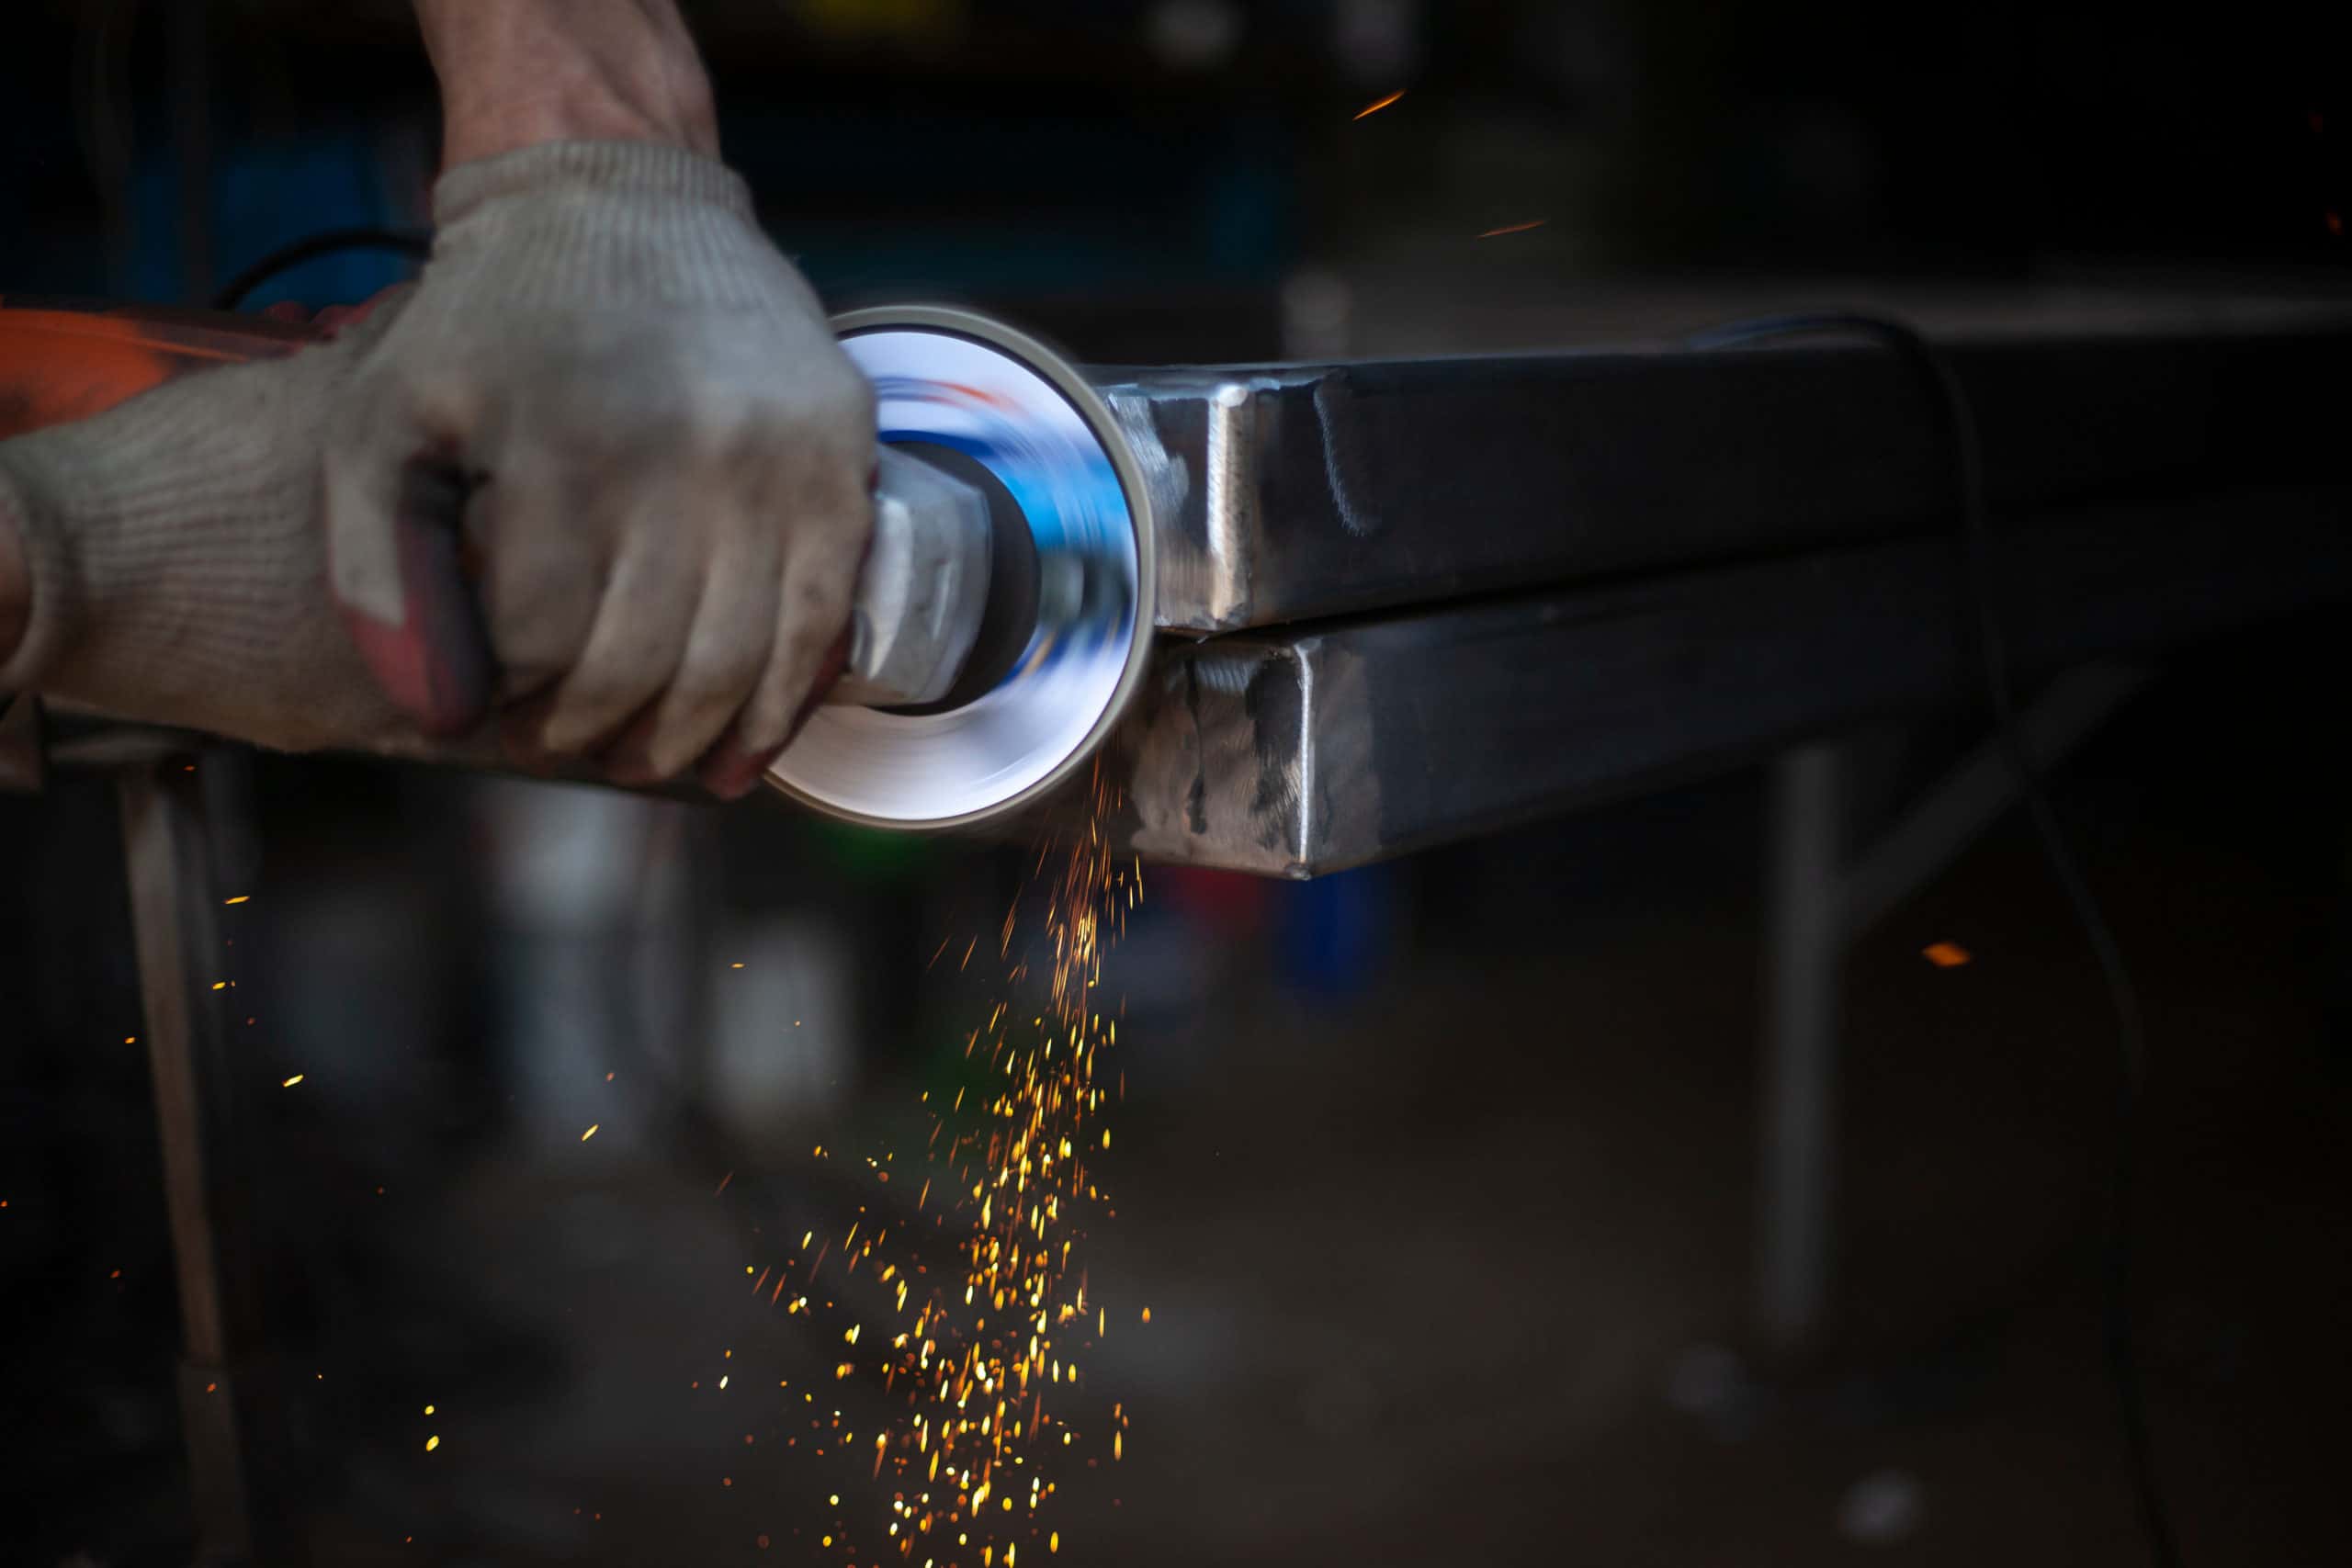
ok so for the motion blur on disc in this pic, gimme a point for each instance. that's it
(945, 379)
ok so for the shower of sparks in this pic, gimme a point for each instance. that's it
(1374, 108)
(979, 1361)
(1514, 228)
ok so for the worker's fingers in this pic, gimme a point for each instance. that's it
(812, 614)
(636, 644)
(546, 557)
(730, 769)
(734, 630)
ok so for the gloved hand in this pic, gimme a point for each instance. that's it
(664, 460)
(177, 556)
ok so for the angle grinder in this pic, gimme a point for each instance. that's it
(1003, 616)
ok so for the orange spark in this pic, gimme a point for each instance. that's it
(1946, 954)
(979, 1360)
(1514, 227)
(1375, 107)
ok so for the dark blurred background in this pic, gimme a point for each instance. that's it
(1437, 1176)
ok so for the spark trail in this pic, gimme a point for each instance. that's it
(981, 1362)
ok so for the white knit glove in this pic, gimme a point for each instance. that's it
(664, 460)
(178, 556)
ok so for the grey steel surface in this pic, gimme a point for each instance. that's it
(1291, 492)
(1293, 755)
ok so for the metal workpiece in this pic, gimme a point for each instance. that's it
(1300, 753)
(1284, 493)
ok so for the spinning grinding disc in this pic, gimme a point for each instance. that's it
(1068, 623)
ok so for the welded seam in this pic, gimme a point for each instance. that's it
(1307, 781)
(1226, 499)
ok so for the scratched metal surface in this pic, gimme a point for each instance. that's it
(1293, 754)
(1294, 492)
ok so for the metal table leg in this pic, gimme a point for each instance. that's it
(1805, 940)
(230, 1411)
(1821, 892)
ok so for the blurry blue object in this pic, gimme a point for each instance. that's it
(1333, 934)
(266, 195)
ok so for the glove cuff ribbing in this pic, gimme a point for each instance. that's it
(602, 226)
(605, 168)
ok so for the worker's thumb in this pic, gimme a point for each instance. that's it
(395, 523)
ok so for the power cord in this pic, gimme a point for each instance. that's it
(406, 241)
(1959, 424)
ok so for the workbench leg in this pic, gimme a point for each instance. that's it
(1820, 891)
(1805, 941)
(229, 1410)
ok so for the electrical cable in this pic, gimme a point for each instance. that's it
(1992, 646)
(406, 241)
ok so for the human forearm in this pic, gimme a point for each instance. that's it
(519, 72)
